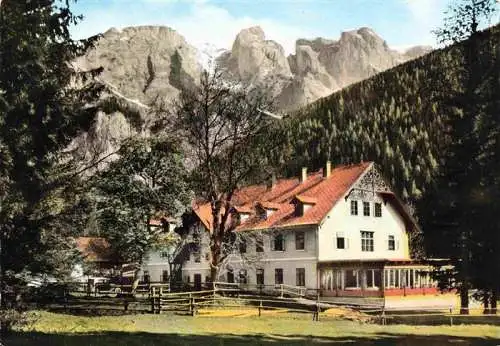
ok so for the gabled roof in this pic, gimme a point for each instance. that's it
(204, 213)
(322, 192)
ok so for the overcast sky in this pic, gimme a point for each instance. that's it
(402, 23)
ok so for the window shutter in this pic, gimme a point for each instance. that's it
(387, 244)
(284, 241)
(397, 244)
(272, 238)
(346, 243)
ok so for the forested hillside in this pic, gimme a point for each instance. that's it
(396, 118)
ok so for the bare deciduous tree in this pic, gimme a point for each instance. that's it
(224, 127)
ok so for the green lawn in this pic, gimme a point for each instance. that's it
(59, 329)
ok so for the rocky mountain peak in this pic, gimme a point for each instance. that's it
(145, 62)
(255, 60)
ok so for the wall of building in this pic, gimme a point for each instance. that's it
(269, 260)
(340, 221)
(156, 265)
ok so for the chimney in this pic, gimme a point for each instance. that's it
(303, 176)
(327, 170)
(272, 182)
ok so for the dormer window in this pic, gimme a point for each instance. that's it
(243, 212)
(261, 213)
(265, 209)
(244, 217)
(303, 204)
(299, 209)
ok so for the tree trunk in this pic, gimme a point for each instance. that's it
(135, 283)
(493, 301)
(486, 303)
(464, 300)
(213, 273)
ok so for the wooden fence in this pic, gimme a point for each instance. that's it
(157, 298)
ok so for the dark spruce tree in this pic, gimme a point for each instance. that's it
(453, 221)
(44, 104)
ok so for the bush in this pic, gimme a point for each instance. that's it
(12, 319)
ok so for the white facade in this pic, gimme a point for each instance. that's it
(341, 223)
(156, 267)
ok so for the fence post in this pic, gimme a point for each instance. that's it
(159, 301)
(383, 315)
(125, 304)
(260, 307)
(192, 307)
(281, 289)
(65, 300)
(318, 310)
(152, 300)
(451, 315)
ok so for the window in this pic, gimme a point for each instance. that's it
(299, 240)
(146, 277)
(261, 213)
(393, 278)
(243, 246)
(300, 275)
(278, 243)
(260, 276)
(164, 254)
(299, 209)
(411, 278)
(278, 276)
(373, 278)
(259, 244)
(354, 207)
(197, 256)
(331, 279)
(366, 241)
(352, 278)
(391, 243)
(164, 276)
(243, 276)
(378, 210)
(341, 241)
(230, 276)
(366, 208)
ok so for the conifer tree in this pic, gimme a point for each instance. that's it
(44, 104)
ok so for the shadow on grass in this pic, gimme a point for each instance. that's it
(150, 339)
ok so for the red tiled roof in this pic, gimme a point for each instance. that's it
(94, 249)
(204, 213)
(306, 199)
(246, 208)
(325, 191)
(270, 205)
(159, 221)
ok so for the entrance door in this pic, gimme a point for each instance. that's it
(197, 282)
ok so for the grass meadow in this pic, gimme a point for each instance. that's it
(281, 329)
